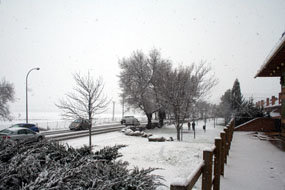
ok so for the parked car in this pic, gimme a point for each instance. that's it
(154, 123)
(123, 120)
(132, 121)
(20, 133)
(30, 126)
(80, 124)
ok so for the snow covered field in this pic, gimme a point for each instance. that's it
(252, 164)
(176, 159)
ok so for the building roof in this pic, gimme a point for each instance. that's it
(274, 64)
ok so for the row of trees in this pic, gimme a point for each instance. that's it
(148, 82)
(151, 83)
(234, 104)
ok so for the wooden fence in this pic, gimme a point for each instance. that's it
(220, 152)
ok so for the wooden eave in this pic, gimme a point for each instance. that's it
(274, 65)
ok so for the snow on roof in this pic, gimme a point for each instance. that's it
(272, 106)
(275, 114)
(271, 54)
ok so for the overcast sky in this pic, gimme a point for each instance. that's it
(65, 36)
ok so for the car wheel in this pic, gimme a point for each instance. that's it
(40, 139)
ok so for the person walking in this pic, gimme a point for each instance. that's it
(193, 128)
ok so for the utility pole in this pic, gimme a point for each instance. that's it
(113, 111)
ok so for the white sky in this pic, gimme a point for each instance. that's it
(65, 36)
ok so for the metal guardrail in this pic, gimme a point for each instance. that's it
(54, 132)
(78, 134)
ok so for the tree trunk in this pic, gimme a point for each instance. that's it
(149, 117)
(178, 132)
(161, 116)
(90, 142)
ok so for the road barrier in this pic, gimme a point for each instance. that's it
(220, 152)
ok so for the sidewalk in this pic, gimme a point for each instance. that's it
(253, 164)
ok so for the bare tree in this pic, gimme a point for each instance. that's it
(175, 92)
(7, 94)
(160, 68)
(86, 101)
(182, 88)
(136, 81)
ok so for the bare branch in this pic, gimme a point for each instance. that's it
(86, 100)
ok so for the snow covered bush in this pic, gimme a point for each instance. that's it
(156, 139)
(50, 165)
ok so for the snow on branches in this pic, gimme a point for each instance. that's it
(50, 165)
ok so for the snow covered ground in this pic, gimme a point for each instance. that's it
(176, 159)
(252, 165)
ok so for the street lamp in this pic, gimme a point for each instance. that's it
(37, 68)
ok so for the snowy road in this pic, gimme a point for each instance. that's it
(65, 135)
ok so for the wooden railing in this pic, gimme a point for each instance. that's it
(220, 152)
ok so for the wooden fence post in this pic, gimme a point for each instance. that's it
(223, 152)
(207, 170)
(232, 129)
(229, 139)
(218, 163)
(227, 142)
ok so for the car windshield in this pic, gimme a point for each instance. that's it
(7, 131)
(77, 121)
(16, 125)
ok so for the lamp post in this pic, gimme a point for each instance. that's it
(37, 68)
